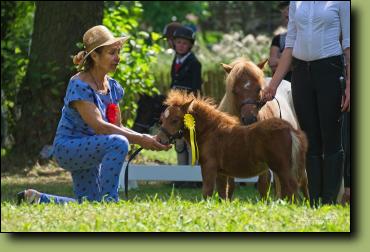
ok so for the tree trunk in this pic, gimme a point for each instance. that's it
(7, 17)
(58, 27)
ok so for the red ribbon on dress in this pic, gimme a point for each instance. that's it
(112, 113)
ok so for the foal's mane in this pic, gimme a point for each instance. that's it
(241, 69)
(204, 106)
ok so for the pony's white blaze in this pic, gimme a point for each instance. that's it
(166, 113)
(246, 86)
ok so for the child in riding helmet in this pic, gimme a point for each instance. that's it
(168, 31)
(186, 68)
(186, 75)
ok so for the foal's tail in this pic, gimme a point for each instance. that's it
(299, 149)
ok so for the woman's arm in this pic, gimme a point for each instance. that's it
(274, 58)
(119, 123)
(286, 57)
(345, 19)
(282, 69)
(92, 116)
(347, 98)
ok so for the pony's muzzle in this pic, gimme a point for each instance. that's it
(246, 120)
(163, 139)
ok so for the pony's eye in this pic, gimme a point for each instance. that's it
(174, 121)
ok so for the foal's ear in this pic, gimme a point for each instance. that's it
(227, 68)
(185, 106)
(262, 64)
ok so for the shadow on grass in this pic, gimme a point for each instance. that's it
(62, 186)
(166, 191)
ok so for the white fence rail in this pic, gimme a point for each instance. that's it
(166, 173)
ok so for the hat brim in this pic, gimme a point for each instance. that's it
(109, 42)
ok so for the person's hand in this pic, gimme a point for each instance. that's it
(151, 143)
(345, 104)
(268, 93)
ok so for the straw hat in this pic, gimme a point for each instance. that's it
(94, 38)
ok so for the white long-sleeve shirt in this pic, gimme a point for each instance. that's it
(314, 29)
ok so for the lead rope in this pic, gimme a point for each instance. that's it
(279, 107)
(133, 155)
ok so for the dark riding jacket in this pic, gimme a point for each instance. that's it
(188, 76)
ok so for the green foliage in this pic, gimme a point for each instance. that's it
(160, 13)
(251, 17)
(137, 54)
(212, 37)
(163, 157)
(16, 25)
(235, 45)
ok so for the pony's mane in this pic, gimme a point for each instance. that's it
(241, 68)
(205, 105)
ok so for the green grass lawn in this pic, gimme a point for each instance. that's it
(158, 207)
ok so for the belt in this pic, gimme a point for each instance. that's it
(319, 61)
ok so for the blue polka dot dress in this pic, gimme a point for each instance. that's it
(95, 161)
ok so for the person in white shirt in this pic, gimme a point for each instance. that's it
(320, 87)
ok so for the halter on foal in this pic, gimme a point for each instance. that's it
(229, 149)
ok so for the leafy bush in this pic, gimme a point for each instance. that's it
(16, 25)
(160, 13)
(137, 54)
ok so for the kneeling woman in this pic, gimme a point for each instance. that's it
(90, 141)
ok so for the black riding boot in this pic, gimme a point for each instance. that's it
(332, 177)
(314, 175)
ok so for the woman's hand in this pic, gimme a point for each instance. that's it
(268, 93)
(345, 105)
(151, 143)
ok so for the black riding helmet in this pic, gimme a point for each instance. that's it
(184, 32)
(170, 28)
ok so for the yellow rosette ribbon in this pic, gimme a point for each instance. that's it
(189, 123)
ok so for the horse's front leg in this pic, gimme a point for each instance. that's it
(225, 186)
(263, 184)
(277, 186)
(230, 188)
(209, 174)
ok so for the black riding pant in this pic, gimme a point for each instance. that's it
(346, 141)
(317, 93)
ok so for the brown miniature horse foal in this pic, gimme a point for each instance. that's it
(230, 149)
(244, 83)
